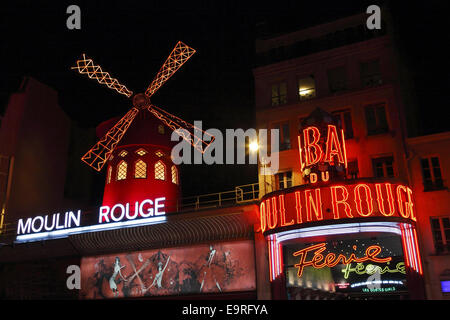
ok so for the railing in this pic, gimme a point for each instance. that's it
(241, 194)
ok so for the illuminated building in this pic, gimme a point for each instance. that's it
(344, 217)
(333, 196)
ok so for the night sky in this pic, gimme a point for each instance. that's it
(131, 39)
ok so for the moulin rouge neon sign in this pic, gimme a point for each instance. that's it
(120, 215)
(364, 200)
(330, 260)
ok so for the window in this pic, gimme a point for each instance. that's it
(306, 88)
(383, 167)
(161, 129)
(141, 152)
(370, 73)
(122, 170)
(174, 175)
(140, 170)
(284, 180)
(440, 227)
(337, 79)
(160, 171)
(431, 174)
(345, 116)
(123, 153)
(279, 94)
(352, 169)
(108, 179)
(284, 135)
(159, 154)
(376, 119)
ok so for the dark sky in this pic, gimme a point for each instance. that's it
(131, 39)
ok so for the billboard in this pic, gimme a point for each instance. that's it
(206, 268)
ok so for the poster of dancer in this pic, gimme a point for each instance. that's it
(208, 268)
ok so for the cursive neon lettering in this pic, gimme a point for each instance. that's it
(319, 261)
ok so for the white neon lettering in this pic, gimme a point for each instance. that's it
(135, 212)
(149, 210)
(34, 222)
(158, 206)
(58, 226)
(75, 219)
(122, 213)
(21, 228)
(103, 214)
(53, 223)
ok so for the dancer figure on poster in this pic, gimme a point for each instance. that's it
(212, 253)
(112, 280)
(159, 275)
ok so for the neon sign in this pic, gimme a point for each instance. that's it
(41, 223)
(119, 212)
(118, 216)
(364, 200)
(369, 269)
(330, 260)
(318, 155)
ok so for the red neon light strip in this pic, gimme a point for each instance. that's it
(419, 262)
(410, 252)
(414, 250)
(269, 244)
(345, 149)
(275, 257)
(300, 152)
(405, 248)
(280, 258)
(408, 247)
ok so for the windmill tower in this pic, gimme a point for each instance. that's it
(136, 148)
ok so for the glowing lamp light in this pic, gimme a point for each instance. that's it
(253, 146)
(305, 91)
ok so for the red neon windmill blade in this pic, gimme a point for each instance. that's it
(97, 156)
(190, 133)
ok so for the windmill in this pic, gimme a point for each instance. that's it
(99, 154)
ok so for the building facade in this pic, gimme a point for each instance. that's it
(356, 209)
(345, 72)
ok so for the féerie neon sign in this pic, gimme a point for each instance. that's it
(330, 260)
(370, 269)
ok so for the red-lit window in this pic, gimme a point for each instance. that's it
(376, 120)
(440, 226)
(383, 167)
(279, 94)
(284, 180)
(345, 116)
(431, 174)
(352, 169)
(284, 135)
